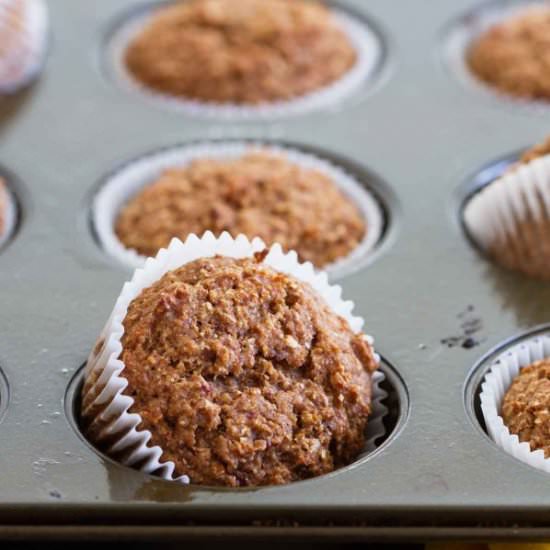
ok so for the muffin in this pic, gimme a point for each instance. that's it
(510, 218)
(513, 56)
(241, 374)
(259, 193)
(526, 406)
(23, 36)
(244, 53)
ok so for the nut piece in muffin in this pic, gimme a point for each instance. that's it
(513, 56)
(240, 52)
(526, 406)
(244, 376)
(259, 194)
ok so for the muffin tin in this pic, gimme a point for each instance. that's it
(422, 142)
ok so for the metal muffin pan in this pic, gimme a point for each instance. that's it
(434, 304)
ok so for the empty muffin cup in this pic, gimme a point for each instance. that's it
(23, 42)
(122, 186)
(363, 40)
(509, 219)
(502, 374)
(106, 409)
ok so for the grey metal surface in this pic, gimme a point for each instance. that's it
(423, 133)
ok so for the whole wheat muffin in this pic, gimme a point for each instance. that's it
(245, 52)
(527, 248)
(244, 376)
(514, 56)
(526, 406)
(260, 194)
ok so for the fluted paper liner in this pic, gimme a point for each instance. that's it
(364, 40)
(495, 385)
(105, 407)
(509, 218)
(26, 42)
(127, 182)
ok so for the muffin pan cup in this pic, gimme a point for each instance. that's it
(106, 408)
(432, 301)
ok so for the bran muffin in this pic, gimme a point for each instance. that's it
(244, 376)
(23, 30)
(247, 52)
(526, 406)
(518, 221)
(259, 194)
(513, 56)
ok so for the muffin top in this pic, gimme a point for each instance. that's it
(539, 150)
(244, 376)
(513, 56)
(245, 52)
(526, 406)
(259, 194)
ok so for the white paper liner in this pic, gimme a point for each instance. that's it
(495, 385)
(471, 27)
(364, 39)
(9, 213)
(103, 399)
(125, 183)
(492, 216)
(25, 58)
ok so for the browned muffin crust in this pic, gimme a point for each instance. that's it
(244, 376)
(513, 56)
(526, 406)
(259, 194)
(539, 150)
(245, 52)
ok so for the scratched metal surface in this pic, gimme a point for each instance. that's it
(423, 132)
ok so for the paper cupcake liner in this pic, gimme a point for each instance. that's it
(509, 217)
(24, 56)
(364, 39)
(9, 213)
(125, 183)
(495, 385)
(105, 408)
(471, 27)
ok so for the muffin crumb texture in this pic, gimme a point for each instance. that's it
(526, 406)
(245, 52)
(513, 56)
(259, 194)
(244, 376)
